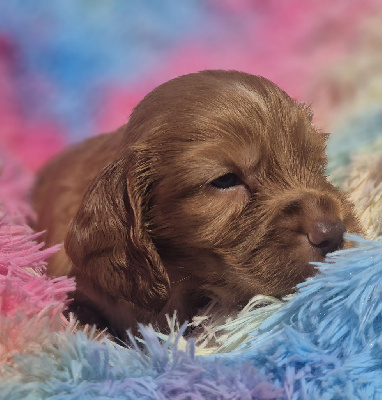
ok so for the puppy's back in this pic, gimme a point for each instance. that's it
(61, 185)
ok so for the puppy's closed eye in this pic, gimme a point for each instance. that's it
(226, 181)
(151, 226)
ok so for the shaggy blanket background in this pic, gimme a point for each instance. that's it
(75, 68)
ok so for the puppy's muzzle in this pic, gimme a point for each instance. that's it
(316, 217)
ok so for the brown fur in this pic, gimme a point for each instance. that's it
(149, 233)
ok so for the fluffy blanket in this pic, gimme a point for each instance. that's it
(325, 343)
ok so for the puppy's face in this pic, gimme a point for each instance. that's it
(238, 202)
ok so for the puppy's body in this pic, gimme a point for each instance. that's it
(214, 189)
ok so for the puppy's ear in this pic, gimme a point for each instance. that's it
(109, 246)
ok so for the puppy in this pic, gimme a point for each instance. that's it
(214, 189)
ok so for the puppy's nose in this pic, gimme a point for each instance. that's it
(327, 235)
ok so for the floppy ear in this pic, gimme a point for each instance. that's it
(109, 246)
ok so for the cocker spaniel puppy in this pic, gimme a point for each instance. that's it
(214, 189)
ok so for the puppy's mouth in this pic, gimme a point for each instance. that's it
(312, 251)
(318, 253)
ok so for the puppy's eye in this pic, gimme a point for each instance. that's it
(226, 181)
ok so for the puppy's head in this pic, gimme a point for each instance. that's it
(224, 187)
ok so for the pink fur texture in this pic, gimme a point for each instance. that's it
(31, 305)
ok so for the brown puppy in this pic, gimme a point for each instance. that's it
(215, 188)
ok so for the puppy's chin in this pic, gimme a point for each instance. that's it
(303, 267)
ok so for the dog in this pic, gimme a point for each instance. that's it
(215, 189)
